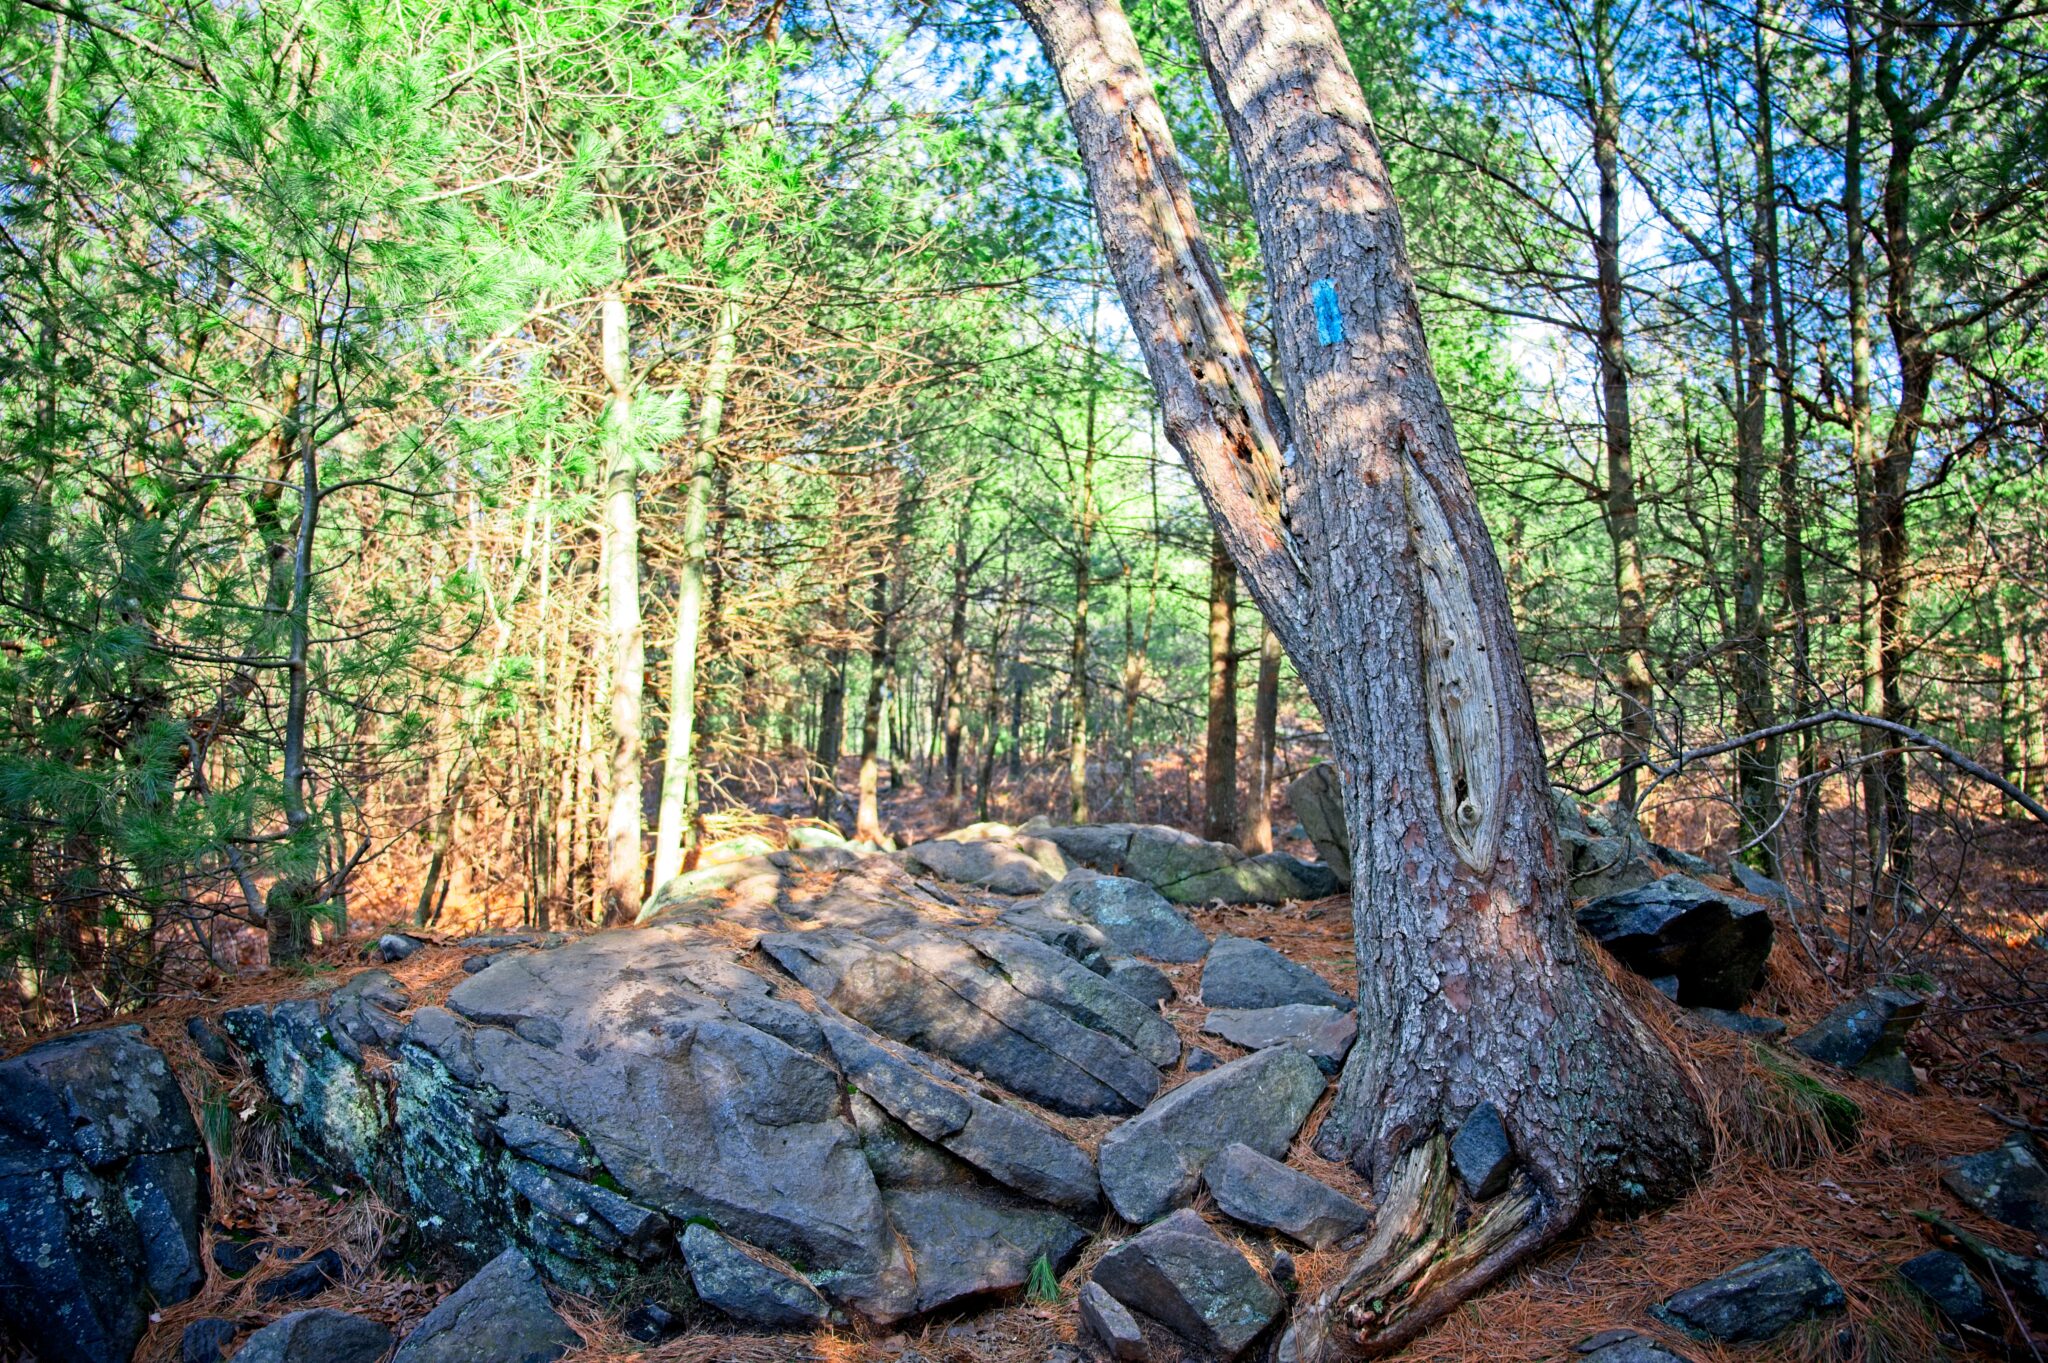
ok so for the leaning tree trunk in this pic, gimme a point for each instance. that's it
(1353, 523)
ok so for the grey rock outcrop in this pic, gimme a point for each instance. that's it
(1317, 799)
(101, 1195)
(1625, 1346)
(1153, 1162)
(1242, 973)
(1018, 866)
(1257, 1191)
(502, 1315)
(1193, 1281)
(1699, 946)
(1866, 1036)
(748, 1287)
(317, 1337)
(1133, 915)
(1181, 866)
(2006, 1183)
(1757, 1300)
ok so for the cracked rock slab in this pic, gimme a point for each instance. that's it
(1257, 1191)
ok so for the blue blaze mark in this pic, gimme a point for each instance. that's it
(1329, 321)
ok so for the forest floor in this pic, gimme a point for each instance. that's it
(1780, 1177)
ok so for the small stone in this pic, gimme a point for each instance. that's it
(1257, 1191)
(397, 946)
(1285, 1277)
(1606, 1337)
(2006, 1183)
(1190, 1279)
(650, 1323)
(472, 965)
(321, 1336)
(1744, 1024)
(748, 1288)
(1111, 1323)
(304, 1280)
(206, 1340)
(1482, 1153)
(213, 1044)
(502, 1315)
(1323, 1034)
(1630, 1348)
(1202, 1060)
(1757, 883)
(1865, 1037)
(1757, 1300)
(1141, 980)
(235, 1259)
(1241, 973)
(1945, 1280)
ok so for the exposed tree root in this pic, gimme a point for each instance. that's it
(1428, 1253)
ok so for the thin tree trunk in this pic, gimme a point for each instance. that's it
(1354, 525)
(621, 550)
(825, 752)
(676, 830)
(1077, 656)
(1258, 812)
(954, 682)
(867, 826)
(1219, 750)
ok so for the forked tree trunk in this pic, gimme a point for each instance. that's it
(1353, 523)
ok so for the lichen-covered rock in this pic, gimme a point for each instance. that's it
(1184, 868)
(308, 1054)
(1153, 1162)
(1317, 799)
(2006, 1183)
(1133, 915)
(1945, 1282)
(1242, 973)
(319, 1336)
(1193, 1281)
(748, 1287)
(1257, 1191)
(1866, 1036)
(1757, 1300)
(1701, 946)
(100, 1195)
(502, 1315)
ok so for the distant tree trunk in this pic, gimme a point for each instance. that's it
(2015, 694)
(953, 683)
(1219, 751)
(1353, 522)
(1137, 647)
(1632, 615)
(867, 825)
(1756, 766)
(1258, 810)
(621, 902)
(676, 830)
(824, 778)
(1077, 657)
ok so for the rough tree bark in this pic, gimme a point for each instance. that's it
(621, 551)
(1353, 523)
(1258, 805)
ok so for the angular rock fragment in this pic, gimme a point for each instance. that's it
(206, 1340)
(1744, 1024)
(969, 1243)
(1110, 1323)
(1675, 928)
(747, 1287)
(2006, 1183)
(1257, 1191)
(1866, 1037)
(502, 1314)
(307, 1278)
(1153, 1162)
(1321, 1033)
(100, 1195)
(1757, 883)
(1242, 973)
(397, 946)
(1142, 980)
(1944, 1280)
(1038, 971)
(1193, 1281)
(1626, 1346)
(1317, 799)
(1482, 1154)
(1757, 1300)
(320, 1336)
(1181, 866)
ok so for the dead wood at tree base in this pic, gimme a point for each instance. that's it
(1427, 1254)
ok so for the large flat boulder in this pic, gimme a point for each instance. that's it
(1153, 1162)
(101, 1194)
(1242, 973)
(1322, 1033)
(1133, 915)
(1258, 1191)
(1317, 799)
(1018, 866)
(1193, 1281)
(1698, 945)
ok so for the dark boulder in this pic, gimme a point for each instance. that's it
(206, 1340)
(1866, 1037)
(747, 1286)
(101, 1195)
(1153, 1162)
(502, 1315)
(968, 1243)
(1242, 973)
(317, 1337)
(1699, 945)
(308, 1278)
(1945, 1282)
(2006, 1183)
(1317, 799)
(1193, 1281)
(1111, 1324)
(397, 946)
(1757, 1300)
(1322, 1033)
(1257, 1191)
